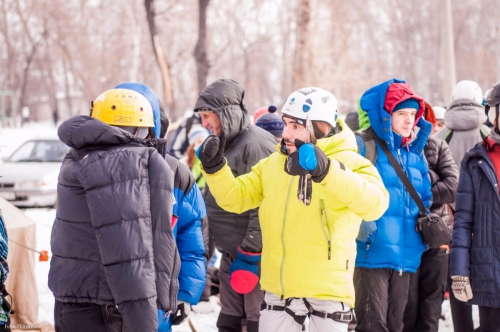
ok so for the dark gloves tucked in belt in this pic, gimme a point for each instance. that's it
(177, 317)
(211, 153)
(244, 271)
(308, 159)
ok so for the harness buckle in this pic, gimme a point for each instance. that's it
(322, 314)
(345, 317)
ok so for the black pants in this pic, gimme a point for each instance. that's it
(426, 292)
(381, 296)
(489, 318)
(84, 317)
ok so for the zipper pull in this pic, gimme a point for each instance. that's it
(400, 158)
(400, 272)
(329, 250)
(281, 299)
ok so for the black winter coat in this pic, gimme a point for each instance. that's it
(444, 177)
(475, 246)
(246, 145)
(112, 241)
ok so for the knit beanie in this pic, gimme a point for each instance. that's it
(408, 103)
(261, 111)
(271, 122)
(197, 132)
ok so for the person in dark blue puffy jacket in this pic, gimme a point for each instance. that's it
(475, 245)
(189, 214)
(389, 248)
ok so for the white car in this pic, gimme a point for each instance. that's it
(29, 175)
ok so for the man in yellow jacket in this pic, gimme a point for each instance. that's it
(312, 198)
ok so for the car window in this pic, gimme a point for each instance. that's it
(40, 151)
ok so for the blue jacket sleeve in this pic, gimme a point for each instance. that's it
(189, 236)
(462, 229)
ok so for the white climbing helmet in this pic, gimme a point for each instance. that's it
(319, 104)
(468, 90)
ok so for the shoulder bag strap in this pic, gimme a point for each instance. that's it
(402, 175)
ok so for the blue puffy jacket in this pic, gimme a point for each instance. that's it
(391, 241)
(190, 210)
(475, 246)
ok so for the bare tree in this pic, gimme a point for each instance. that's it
(301, 60)
(200, 51)
(160, 54)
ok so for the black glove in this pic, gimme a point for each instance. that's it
(181, 314)
(308, 159)
(211, 153)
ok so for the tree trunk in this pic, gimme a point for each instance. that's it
(448, 51)
(160, 56)
(301, 50)
(200, 51)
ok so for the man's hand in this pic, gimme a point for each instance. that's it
(461, 288)
(308, 159)
(244, 271)
(211, 153)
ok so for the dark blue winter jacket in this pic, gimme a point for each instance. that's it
(190, 210)
(391, 241)
(475, 246)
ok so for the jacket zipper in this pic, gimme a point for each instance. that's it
(174, 280)
(404, 215)
(329, 236)
(283, 240)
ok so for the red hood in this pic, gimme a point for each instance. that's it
(398, 92)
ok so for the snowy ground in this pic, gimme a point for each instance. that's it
(202, 322)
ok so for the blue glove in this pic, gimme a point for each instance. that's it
(308, 159)
(244, 271)
(164, 322)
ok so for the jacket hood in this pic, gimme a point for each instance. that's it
(225, 98)
(464, 114)
(82, 131)
(378, 109)
(429, 114)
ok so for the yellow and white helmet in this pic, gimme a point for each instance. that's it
(123, 107)
(315, 103)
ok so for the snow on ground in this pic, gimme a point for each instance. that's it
(202, 322)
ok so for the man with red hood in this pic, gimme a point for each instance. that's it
(389, 249)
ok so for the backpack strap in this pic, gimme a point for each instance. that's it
(448, 136)
(483, 135)
(189, 124)
(366, 144)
